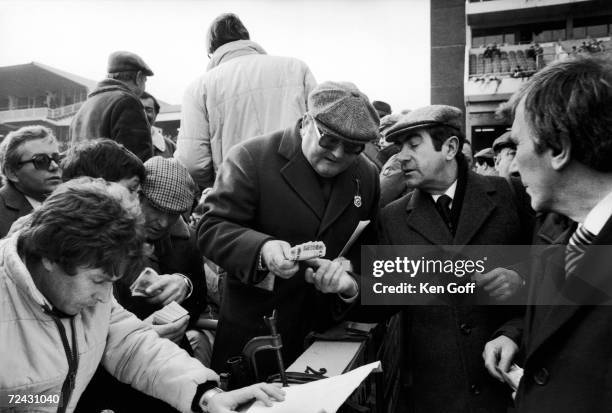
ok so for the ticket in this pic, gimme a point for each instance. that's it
(308, 250)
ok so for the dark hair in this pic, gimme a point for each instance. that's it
(102, 158)
(224, 29)
(126, 76)
(10, 156)
(439, 134)
(146, 95)
(572, 100)
(86, 222)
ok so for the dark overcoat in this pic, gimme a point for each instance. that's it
(266, 189)
(113, 111)
(444, 344)
(13, 205)
(567, 347)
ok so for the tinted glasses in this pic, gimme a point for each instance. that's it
(42, 161)
(331, 142)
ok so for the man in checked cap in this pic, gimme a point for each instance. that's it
(309, 182)
(450, 206)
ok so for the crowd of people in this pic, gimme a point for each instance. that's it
(110, 250)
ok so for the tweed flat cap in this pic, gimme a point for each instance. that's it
(485, 153)
(168, 186)
(341, 110)
(427, 116)
(122, 61)
(503, 141)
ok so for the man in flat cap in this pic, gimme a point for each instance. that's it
(244, 93)
(113, 110)
(450, 206)
(485, 162)
(504, 150)
(309, 182)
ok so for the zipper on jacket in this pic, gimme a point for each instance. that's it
(72, 355)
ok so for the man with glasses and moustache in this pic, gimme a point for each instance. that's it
(309, 182)
(29, 158)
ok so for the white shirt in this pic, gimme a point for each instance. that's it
(450, 192)
(35, 204)
(599, 215)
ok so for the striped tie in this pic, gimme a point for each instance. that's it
(576, 247)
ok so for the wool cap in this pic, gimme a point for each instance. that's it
(123, 61)
(341, 110)
(427, 116)
(168, 186)
(502, 142)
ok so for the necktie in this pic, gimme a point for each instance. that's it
(443, 207)
(576, 247)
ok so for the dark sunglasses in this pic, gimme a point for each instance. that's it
(42, 161)
(331, 143)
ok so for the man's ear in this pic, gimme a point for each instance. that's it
(11, 176)
(47, 264)
(560, 158)
(452, 145)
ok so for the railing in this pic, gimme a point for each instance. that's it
(518, 61)
(16, 115)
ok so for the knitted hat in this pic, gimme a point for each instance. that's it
(168, 186)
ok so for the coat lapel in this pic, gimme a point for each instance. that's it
(15, 199)
(591, 284)
(342, 195)
(475, 209)
(298, 173)
(425, 219)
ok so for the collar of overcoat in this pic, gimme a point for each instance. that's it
(14, 199)
(477, 206)
(302, 178)
(591, 284)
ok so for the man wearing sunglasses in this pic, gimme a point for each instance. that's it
(305, 183)
(29, 158)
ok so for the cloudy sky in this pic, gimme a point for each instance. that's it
(380, 45)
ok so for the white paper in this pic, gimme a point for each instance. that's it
(358, 230)
(319, 396)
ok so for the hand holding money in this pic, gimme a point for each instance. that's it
(170, 322)
(330, 277)
(277, 258)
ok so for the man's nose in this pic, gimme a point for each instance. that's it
(513, 167)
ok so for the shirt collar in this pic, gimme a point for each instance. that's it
(450, 192)
(599, 215)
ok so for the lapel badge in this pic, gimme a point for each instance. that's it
(357, 201)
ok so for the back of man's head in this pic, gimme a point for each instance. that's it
(224, 29)
(10, 154)
(570, 102)
(107, 234)
(101, 158)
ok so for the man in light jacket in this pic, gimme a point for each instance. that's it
(59, 320)
(244, 93)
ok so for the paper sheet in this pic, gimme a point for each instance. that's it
(319, 396)
(358, 230)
